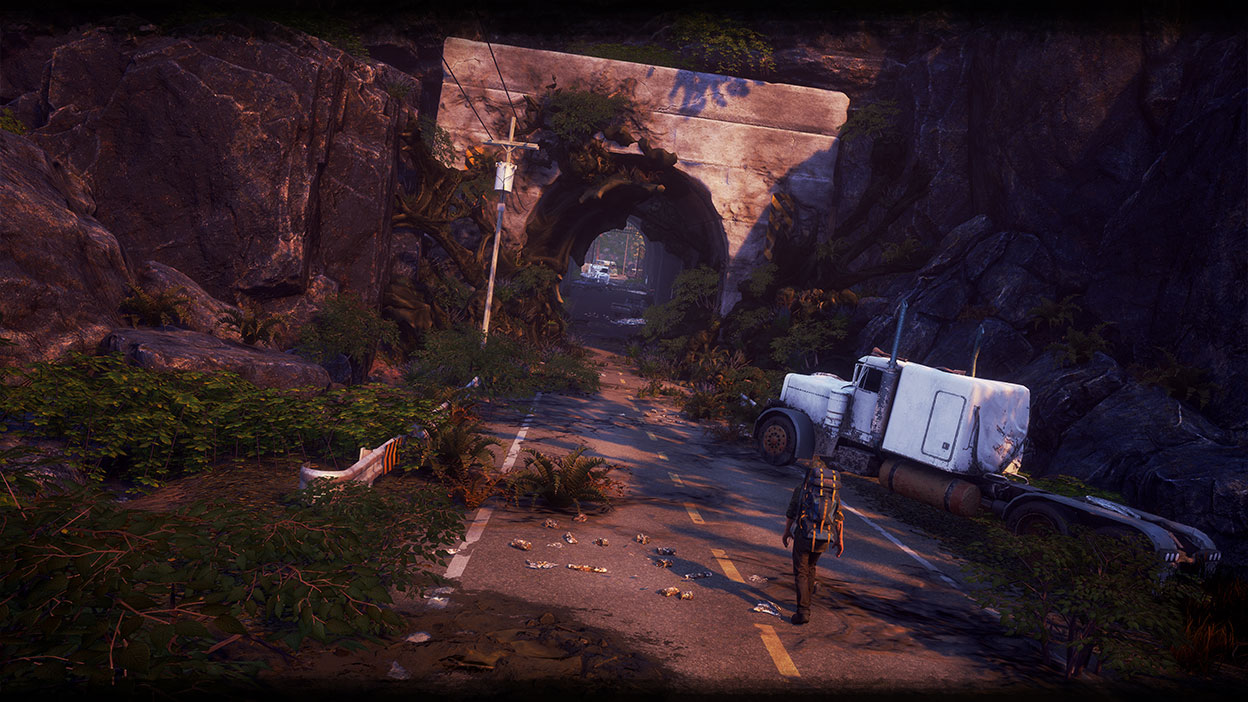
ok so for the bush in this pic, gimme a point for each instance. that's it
(805, 339)
(695, 293)
(1079, 346)
(1182, 382)
(145, 426)
(722, 45)
(574, 116)
(155, 310)
(565, 481)
(10, 123)
(253, 325)
(505, 367)
(102, 594)
(1087, 593)
(1215, 620)
(344, 326)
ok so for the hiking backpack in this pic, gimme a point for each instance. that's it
(819, 516)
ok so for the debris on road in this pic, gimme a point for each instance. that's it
(438, 602)
(641, 539)
(522, 544)
(669, 591)
(398, 672)
(587, 569)
(451, 551)
(580, 518)
(758, 579)
(538, 565)
(696, 576)
(567, 536)
(664, 551)
(686, 595)
(767, 608)
(418, 637)
(550, 524)
(555, 545)
(663, 562)
(601, 542)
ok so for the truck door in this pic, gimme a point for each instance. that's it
(867, 381)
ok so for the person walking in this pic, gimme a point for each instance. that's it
(813, 519)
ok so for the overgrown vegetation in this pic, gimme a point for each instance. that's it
(650, 54)
(722, 45)
(1181, 381)
(1078, 346)
(566, 481)
(344, 326)
(145, 426)
(166, 307)
(504, 367)
(253, 325)
(10, 123)
(872, 120)
(97, 593)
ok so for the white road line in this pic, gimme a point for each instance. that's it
(460, 561)
(923, 561)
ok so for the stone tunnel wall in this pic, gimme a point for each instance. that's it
(742, 139)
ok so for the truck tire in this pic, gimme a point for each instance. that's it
(1038, 518)
(777, 440)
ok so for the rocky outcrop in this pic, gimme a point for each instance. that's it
(62, 273)
(203, 311)
(251, 166)
(177, 349)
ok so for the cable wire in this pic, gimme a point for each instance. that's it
(500, 79)
(468, 99)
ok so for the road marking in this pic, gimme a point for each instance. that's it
(460, 561)
(676, 479)
(923, 561)
(652, 436)
(693, 513)
(729, 569)
(662, 455)
(779, 656)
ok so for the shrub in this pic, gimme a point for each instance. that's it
(1215, 619)
(155, 309)
(722, 45)
(252, 324)
(1054, 313)
(98, 593)
(695, 293)
(1079, 346)
(1087, 593)
(805, 339)
(574, 116)
(453, 357)
(872, 120)
(1182, 382)
(636, 53)
(10, 123)
(565, 481)
(344, 326)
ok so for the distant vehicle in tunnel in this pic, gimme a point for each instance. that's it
(599, 273)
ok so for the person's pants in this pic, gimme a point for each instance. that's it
(805, 556)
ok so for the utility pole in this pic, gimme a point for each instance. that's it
(504, 175)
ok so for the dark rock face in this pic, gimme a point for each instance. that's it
(62, 273)
(204, 311)
(250, 166)
(187, 350)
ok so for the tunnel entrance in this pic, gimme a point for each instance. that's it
(643, 234)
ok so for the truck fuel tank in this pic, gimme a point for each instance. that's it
(930, 486)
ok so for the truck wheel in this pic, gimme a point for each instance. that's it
(777, 440)
(1039, 518)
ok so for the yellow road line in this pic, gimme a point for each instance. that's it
(663, 456)
(729, 569)
(693, 513)
(676, 479)
(784, 664)
(652, 436)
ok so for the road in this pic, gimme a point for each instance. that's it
(883, 618)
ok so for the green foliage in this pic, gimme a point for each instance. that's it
(906, 251)
(695, 293)
(252, 324)
(1087, 593)
(437, 140)
(565, 481)
(96, 593)
(1070, 486)
(457, 448)
(398, 90)
(722, 45)
(1215, 619)
(505, 367)
(145, 426)
(760, 281)
(1182, 382)
(1078, 346)
(10, 123)
(721, 382)
(325, 26)
(872, 120)
(574, 116)
(155, 310)
(4, 340)
(1055, 313)
(345, 326)
(806, 339)
(649, 54)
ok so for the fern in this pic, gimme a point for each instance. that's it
(565, 481)
(252, 324)
(156, 310)
(1054, 313)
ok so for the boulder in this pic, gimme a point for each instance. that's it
(176, 349)
(62, 273)
(251, 166)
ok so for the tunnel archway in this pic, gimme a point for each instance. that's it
(675, 212)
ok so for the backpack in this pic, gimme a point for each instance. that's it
(819, 516)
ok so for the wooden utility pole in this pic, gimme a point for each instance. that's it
(504, 174)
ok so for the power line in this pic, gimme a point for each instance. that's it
(500, 79)
(468, 99)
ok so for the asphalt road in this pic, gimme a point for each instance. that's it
(882, 619)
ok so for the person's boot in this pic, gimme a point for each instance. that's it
(800, 618)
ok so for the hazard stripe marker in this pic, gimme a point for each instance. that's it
(693, 513)
(730, 570)
(779, 656)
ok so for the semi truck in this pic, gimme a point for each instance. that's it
(949, 439)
